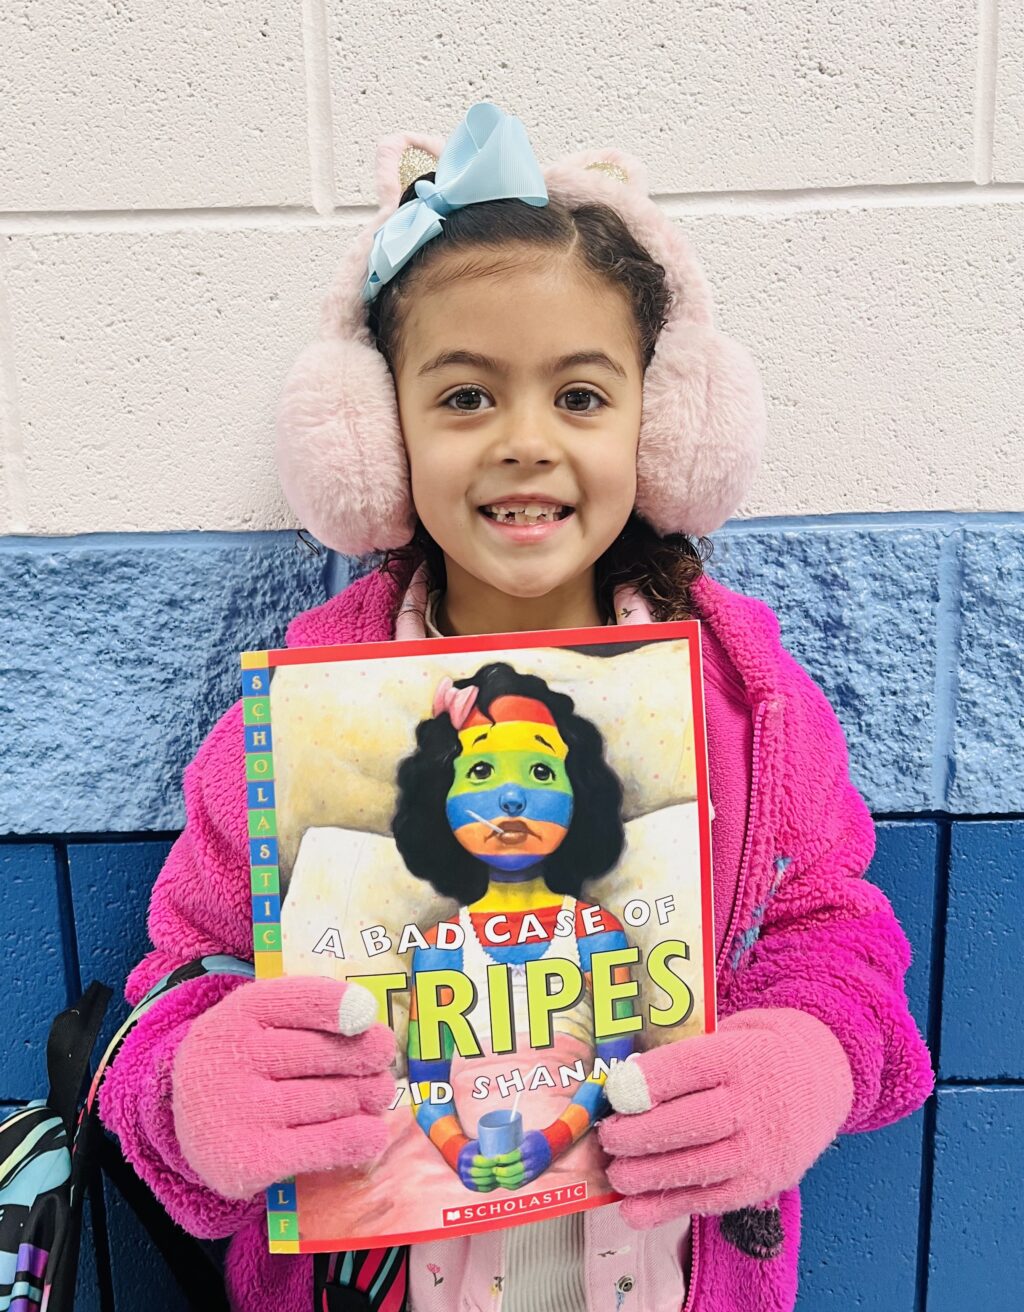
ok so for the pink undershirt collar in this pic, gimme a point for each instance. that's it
(415, 615)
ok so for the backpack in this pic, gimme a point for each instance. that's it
(54, 1152)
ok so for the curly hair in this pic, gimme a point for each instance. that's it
(595, 234)
(420, 826)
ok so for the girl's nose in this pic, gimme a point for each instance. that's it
(528, 438)
(512, 800)
(528, 453)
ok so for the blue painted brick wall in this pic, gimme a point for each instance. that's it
(988, 718)
(118, 658)
(976, 1258)
(864, 1195)
(908, 623)
(110, 888)
(33, 955)
(120, 655)
(861, 1223)
(872, 595)
(983, 989)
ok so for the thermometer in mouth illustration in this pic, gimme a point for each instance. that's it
(489, 823)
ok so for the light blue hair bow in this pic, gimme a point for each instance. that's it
(487, 157)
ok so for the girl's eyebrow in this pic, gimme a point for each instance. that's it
(474, 360)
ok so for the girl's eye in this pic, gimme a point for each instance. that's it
(542, 773)
(481, 770)
(470, 392)
(576, 394)
(578, 400)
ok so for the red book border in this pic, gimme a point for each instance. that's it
(633, 634)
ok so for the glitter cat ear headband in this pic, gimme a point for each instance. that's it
(341, 456)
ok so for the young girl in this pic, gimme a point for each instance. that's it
(518, 392)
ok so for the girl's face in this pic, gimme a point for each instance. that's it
(520, 394)
(510, 802)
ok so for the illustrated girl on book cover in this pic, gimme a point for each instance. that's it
(508, 806)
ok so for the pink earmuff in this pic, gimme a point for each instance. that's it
(340, 453)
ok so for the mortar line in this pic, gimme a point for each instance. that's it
(723, 204)
(319, 110)
(953, 817)
(204, 539)
(933, 1037)
(948, 625)
(868, 519)
(227, 218)
(856, 196)
(961, 1082)
(926, 1187)
(102, 838)
(940, 914)
(12, 443)
(68, 928)
(985, 90)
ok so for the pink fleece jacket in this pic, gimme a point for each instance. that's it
(797, 927)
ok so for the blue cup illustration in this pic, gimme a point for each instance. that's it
(499, 1132)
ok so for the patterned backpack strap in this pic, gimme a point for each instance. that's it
(372, 1280)
(194, 1267)
(69, 1048)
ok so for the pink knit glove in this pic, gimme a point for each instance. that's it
(725, 1120)
(282, 1076)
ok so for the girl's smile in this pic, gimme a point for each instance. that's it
(526, 518)
(520, 393)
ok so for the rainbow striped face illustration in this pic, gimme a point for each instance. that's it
(510, 803)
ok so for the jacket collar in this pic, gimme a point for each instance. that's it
(746, 629)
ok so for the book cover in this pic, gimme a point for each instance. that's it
(507, 839)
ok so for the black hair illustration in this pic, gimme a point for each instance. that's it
(420, 826)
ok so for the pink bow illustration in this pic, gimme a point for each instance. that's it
(458, 702)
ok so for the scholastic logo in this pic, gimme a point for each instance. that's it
(519, 1206)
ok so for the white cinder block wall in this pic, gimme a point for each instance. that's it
(179, 177)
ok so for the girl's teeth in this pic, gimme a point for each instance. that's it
(531, 514)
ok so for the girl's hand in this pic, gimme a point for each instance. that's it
(476, 1172)
(725, 1120)
(530, 1159)
(282, 1076)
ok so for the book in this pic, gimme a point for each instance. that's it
(507, 840)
